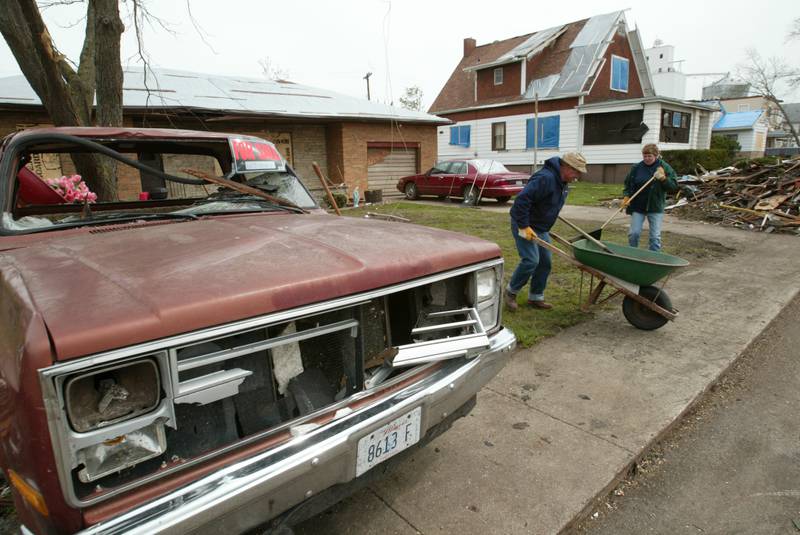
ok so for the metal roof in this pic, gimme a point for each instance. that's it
(738, 120)
(586, 51)
(167, 88)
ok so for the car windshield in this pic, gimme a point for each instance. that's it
(64, 182)
(489, 167)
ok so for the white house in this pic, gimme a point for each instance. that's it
(581, 86)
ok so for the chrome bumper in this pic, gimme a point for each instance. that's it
(251, 492)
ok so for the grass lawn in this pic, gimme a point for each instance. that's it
(588, 194)
(532, 325)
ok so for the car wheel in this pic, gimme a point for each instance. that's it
(642, 317)
(502, 200)
(470, 195)
(411, 191)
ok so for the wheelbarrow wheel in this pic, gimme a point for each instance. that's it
(642, 317)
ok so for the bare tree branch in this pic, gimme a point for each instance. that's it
(794, 31)
(200, 31)
(764, 76)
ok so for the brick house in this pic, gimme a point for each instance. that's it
(581, 86)
(355, 141)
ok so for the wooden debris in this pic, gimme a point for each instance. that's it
(763, 197)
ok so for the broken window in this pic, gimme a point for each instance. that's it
(542, 133)
(616, 128)
(459, 135)
(619, 73)
(675, 126)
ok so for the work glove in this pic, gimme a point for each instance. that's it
(660, 174)
(527, 233)
(627, 200)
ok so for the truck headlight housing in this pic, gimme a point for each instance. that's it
(487, 295)
(99, 398)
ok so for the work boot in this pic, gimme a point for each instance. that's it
(540, 304)
(510, 301)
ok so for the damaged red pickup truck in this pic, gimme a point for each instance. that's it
(206, 350)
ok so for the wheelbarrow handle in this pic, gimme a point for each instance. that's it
(622, 207)
(587, 235)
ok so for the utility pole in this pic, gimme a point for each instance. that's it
(367, 79)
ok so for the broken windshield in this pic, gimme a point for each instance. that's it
(63, 181)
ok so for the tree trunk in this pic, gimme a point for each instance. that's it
(68, 96)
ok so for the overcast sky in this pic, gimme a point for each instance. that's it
(413, 42)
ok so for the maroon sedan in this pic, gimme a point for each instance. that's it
(469, 179)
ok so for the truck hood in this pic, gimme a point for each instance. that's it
(111, 287)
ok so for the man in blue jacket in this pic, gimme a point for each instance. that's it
(533, 214)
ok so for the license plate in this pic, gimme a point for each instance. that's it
(388, 440)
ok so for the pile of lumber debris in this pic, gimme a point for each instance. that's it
(762, 197)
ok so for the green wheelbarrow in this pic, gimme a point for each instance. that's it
(630, 271)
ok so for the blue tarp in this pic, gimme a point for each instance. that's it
(742, 119)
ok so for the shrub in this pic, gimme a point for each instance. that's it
(763, 160)
(685, 161)
(725, 143)
(339, 197)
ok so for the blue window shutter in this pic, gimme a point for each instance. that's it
(529, 133)
(465, 135)
(549, 131)
(624, 75)
(454, 135)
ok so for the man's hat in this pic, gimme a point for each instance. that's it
(575, 160)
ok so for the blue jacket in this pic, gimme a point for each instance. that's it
(538, 204)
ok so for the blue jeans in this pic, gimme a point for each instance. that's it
(534, 265)
(654, 220)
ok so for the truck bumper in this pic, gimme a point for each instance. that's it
(251, 492)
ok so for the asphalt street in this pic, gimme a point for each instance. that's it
(733, 465)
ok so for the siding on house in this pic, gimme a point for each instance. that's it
(516, 153)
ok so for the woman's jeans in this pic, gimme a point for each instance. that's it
(534, 265)
(654, 220)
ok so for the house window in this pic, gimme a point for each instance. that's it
(744, 107)
(616, 128)
(498, 76)
(675, 126)
(459, 135)
(547, 136)
(498, 136)
(619, 73)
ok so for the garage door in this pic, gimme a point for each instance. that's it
(386, 166)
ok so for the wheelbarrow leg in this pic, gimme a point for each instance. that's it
(594, 295)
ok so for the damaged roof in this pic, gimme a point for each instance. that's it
(234, 95)
(738, 120)
(570, 55)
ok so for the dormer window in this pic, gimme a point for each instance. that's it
(619, 74)
(498, 76)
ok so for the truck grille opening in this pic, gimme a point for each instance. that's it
(244, 386)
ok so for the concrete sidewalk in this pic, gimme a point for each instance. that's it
(567, 418)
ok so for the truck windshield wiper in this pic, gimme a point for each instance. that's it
(252, 199)
(120, 218)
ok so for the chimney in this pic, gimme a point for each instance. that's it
(469, 46)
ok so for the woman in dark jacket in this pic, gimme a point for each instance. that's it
(649, 204)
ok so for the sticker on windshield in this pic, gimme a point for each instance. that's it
(254, 155)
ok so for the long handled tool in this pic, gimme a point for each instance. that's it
(587, 235)
(596, 233)
(450, 191)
